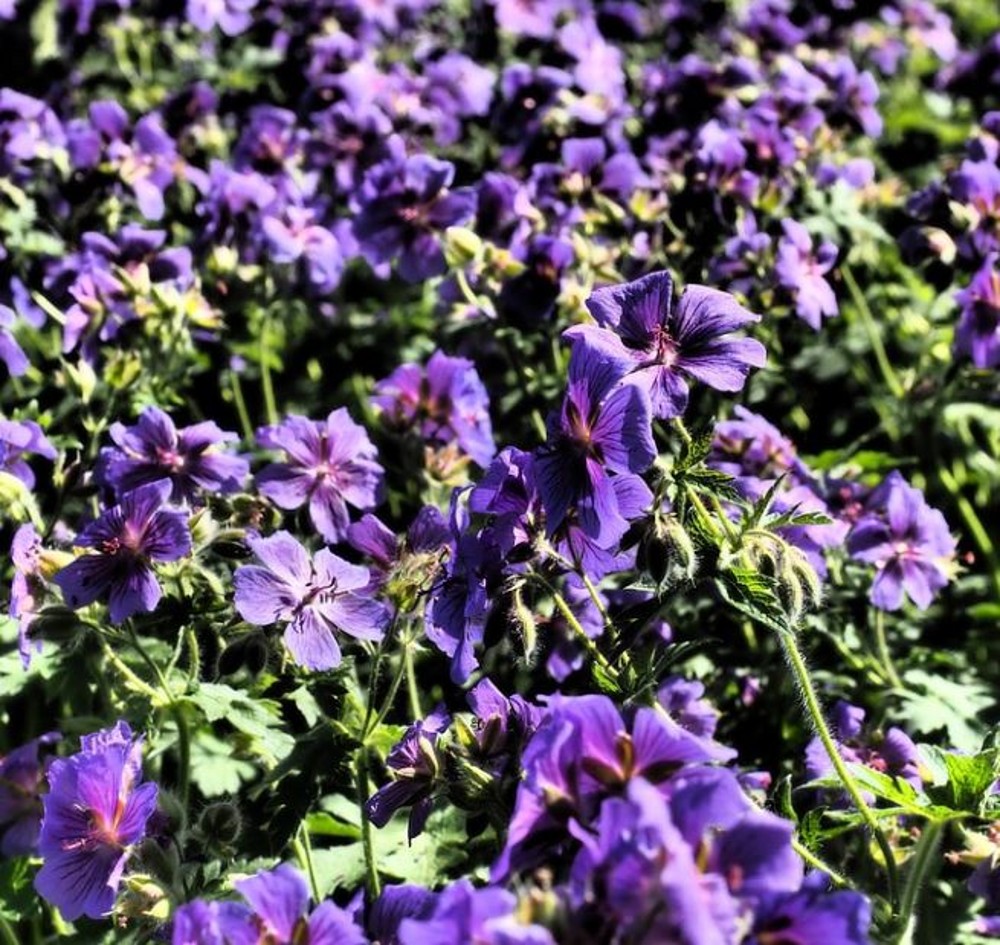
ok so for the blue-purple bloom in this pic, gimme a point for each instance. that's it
(445, 401)
(11, 352)
(977, 334)
(22, 774)
(800, 271)
(126, 539)
(155, 449)
(403, 204)
(231, 16)
(907, 541)
(331, 464)
(602, 434)
(96, 810)
(18, 437)
(315, 597)
(661, 343)
(276, 912)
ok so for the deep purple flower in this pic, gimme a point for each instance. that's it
(94, 814)
(18, 437)
(755, 453)
(813, 915)
(314, 596)
(415, 768)
(232, 16)
(683, 700)
(464, 914)
(11, 352)
(295, 235)
(907, 541)
(397, 903)
(155, 449)
(127, 539)
(978, 332)
(331, 464)
(603, 428)
(637, 865)
(800, 271)
(276, 912)
(403, 204)
(892, 753)
(446, 401)
(662, 344)
(22, 775)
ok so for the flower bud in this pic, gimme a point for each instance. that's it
(462, 247)
(142, 897)
(219, 827)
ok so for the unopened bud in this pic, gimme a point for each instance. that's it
(219, 826)
(142, 897)
(461, 247)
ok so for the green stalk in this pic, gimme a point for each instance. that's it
(818, 863)
(270, 404)
(972, 522)
(589, 645)
(303, 853)
(799, 669)
(884, 656)
(7, 933)
(413, 692)
(916, 875)
(875, 339)
(372, 881)
(241, 407)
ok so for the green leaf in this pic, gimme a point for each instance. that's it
(321, 824)
(214, 768)
(18, 899)
(754, 595)
(256, 718)
(969, 777)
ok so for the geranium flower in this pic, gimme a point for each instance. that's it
(800, 271)
(662, 344)
(127, 539)
(94, 814)
(331, 464)
(22, 775)
(977, 334)
(315, 597)
(154, 449)
(907, 541)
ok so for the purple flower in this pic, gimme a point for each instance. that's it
(755, 453)
(812, 915)
(127, 539)
(603, 427)
(978, 332)
(415, 768)
(892, 753)
(637, 865)
(403, 203)
(662, 344)
(155, 449)
(276, 912)
(27, 590)
(683, 701)
(331, 464)
(18, 437)
(394, 905)
(314, 596)
(232, 16)
(800, 272)
(10, 351)
(95, 812)
(465, 914)
(22, 775)
(295, 235)
(446, 401)
(907, 541)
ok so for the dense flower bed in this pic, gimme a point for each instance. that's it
(500, 471)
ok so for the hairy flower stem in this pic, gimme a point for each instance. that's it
(176, 713)
(874, 338)
(372, 881)
(589, 645)
(302, 847)
(916, 876)
(270, 404)
(136, 682)
(241, 407)
(412, 689)
(818, 863)
(885, 658)
(7, 933)
(804, 682)
(973, 523)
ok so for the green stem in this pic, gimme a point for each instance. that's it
(137, 683)
(808, 692)
(972, 521)
(874, 338)
(241, 407)
(194, 654)
(916, 875)
(589, 645)
(303, 853)
(818, 863)
(882, 647)
(416, 711)
(270, 404)
(372, 881)
(7, 933)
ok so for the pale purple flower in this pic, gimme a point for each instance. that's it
(315, 597)
(331, 464)
(17, 438)
(231, 16)
(11, 352)
(907, 541)
(800, 271)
